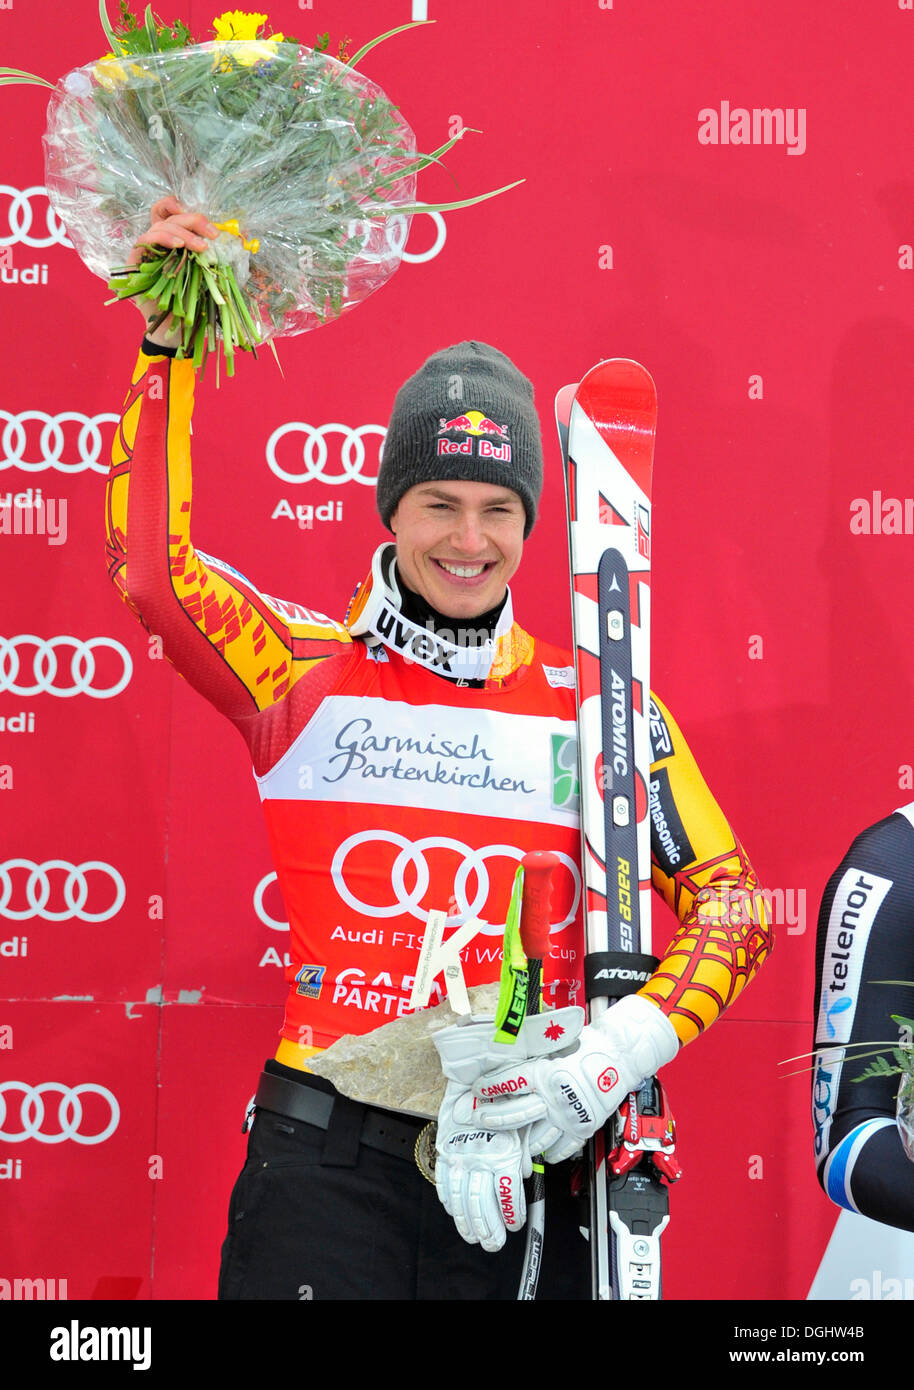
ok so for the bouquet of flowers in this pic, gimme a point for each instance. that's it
(300, 161)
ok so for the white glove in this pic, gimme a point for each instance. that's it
(479, 1173)
(469, 1050)
(567, 1099)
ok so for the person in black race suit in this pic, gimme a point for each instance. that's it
(865, 936)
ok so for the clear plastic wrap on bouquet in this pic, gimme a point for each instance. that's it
(307, 156)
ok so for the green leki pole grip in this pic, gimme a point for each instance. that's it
(512, 996)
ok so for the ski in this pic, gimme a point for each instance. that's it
(606, 429)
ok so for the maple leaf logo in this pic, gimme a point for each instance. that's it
(555, 1030)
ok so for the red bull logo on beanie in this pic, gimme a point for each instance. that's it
(473, 422)
(475, 425)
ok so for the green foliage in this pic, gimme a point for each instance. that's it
(903, 1056)
(153, 35)
(202, 294)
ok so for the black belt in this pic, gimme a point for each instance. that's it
(378, 1129)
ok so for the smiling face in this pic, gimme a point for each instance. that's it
(459, 543)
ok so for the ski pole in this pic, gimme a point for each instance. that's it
(538, 867)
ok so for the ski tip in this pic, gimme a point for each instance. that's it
(619, 364)
(563, 400)
(620, 373)
(619, 389)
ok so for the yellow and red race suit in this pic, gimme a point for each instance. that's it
(389, 790)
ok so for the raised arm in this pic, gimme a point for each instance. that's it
(241, 649)
(705, 876)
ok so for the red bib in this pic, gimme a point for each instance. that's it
(406, 792)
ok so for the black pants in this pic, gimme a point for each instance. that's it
(312, 1216)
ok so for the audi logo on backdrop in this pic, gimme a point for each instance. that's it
(316, 455)
(26, 889)
(25, 206)
(272, 922)
(37, 1121)
(396, 232)
(49, 676)
(91, 450)
(413, 854)
(29, 210)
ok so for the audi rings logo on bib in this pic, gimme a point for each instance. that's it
(357, 861)
(68, 451)
(73, 1117)
(349, 461)
(40, 672)
(27, 889)
(608, 1079)
(24, 212)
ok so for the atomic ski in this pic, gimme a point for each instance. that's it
(606, 428)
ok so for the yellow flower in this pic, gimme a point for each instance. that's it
(247, 54)
(109, 71)
(240, 29)
(232, 226)
(237, 24)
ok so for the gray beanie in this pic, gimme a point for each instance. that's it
(467, 413)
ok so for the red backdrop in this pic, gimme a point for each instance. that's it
(767, 287)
